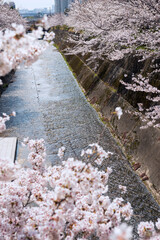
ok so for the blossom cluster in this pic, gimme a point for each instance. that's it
(55, 20)
(61, 202)
(101, 154)
(4, 119)
(151, 116)
(16, 47)
(68, 200)
(37, 154)
(8, 16)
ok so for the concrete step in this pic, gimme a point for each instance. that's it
(8, 148)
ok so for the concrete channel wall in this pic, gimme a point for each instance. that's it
(104, 91)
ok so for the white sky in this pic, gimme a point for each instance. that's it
(31, 4)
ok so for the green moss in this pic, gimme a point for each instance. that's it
(124, 47)
(97, 108)
(95, 75)
(76, 64)
(30, 17)
(117, 83)
(129, 157)
(56, 45)
(143, 47)
(5, 85)
(62, 28)
(111, 89)
(134, 145)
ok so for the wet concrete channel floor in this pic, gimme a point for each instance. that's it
(50, 105)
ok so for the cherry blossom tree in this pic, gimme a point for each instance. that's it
(9, 16)
(65, 201)
(16, 46)
(68, 201)
(115, 29)
(55, 20)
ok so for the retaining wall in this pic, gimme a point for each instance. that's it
(105, 92)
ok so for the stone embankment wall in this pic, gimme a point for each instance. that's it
(104, 91)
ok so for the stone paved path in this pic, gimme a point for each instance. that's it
(50, 104)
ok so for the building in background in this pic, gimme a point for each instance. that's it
(62, 5)
(57, 6)
(10, 4)
(53, 8)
